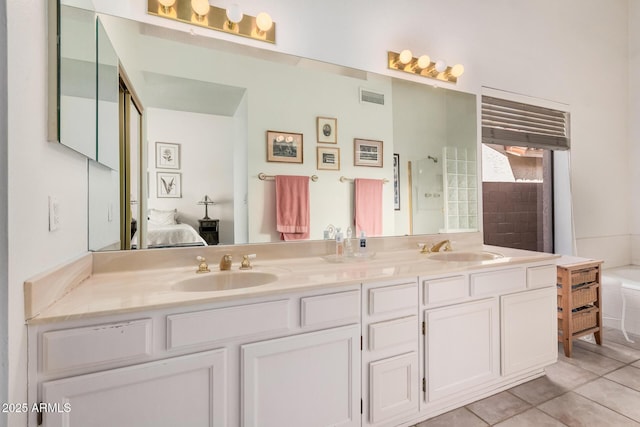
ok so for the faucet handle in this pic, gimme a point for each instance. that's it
(424, 248)
(246, 263)
(202, 267)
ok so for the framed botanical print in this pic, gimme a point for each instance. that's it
(284, 147)
(167, 155)
(328, 158)
(169, 184)
(327, 130)
(367, 152)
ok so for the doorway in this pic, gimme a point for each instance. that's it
(517, 197)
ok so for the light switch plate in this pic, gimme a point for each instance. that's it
(54, 213)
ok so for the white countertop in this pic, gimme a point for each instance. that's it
(117, 292)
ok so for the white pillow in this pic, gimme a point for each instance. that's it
(162, 217)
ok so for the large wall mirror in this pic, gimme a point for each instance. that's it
(208, 105)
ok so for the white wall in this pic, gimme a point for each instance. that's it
(634, 125)
(4, 295)
(104, 207)
(206, 165)
(543, 48)
(36, 169)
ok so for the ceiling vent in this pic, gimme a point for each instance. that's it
(371, 97)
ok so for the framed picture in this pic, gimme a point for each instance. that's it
(396, 181)
(327, 130)
(328, 158)
(284, 147)
(367, 152)
(169, 184)
(167, 155)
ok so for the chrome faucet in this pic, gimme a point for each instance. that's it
(202, 267)
(437, 246)
(225, 262)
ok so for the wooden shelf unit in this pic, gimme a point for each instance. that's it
(579, 300)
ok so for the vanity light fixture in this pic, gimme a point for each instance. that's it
(206, 201)
(230, 20)
(200, 9)
(234, 16)
(423, 66)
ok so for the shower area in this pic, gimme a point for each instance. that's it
(444, 192)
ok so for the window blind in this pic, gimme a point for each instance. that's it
(514, 123)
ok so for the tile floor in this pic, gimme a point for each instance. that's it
(598, 386)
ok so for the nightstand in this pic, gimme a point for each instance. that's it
(208, 229)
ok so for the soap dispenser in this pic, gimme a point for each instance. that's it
(339, 243)
(362, 243)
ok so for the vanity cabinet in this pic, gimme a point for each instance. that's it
(462, 347)
(390, 357)
(310, 379)
(290, 359)
(528, 330)
(186, 390)
(376, 354)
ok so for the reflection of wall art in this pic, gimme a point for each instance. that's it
(329, 158)
(169, 184)
(284, 147)
(396, 181)
(327, 129)
(367, 153)
(167, 155)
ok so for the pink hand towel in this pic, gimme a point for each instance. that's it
(292, 207)
(368, 206)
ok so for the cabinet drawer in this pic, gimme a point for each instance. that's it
(96, 345)
(393, 332)
(542, 277)
(336, 309)
(439, 291)
(393, 298)
(497, 282)
(209, 326)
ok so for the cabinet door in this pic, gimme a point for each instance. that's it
(529, 330)
(306, 380)
(393, 387)
(462, 347)
(182, 391)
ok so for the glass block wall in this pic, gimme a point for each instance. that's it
(461, 183)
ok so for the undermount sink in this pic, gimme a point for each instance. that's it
(465, 256)
(225, 280)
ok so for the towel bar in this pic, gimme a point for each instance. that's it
(265, 177)
(345, 179)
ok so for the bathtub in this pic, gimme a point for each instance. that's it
(621, 298)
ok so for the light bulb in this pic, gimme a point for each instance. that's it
(441, 65)
(424, 61)
(457, 70)
(264, 21)
(405, 56)
(200, 7)
(166, 3)
(234, 13)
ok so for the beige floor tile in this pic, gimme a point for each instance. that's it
(629, 376)
(590, 361)
(538, 391)
(614, 396)
(531, 418)
(615, 335)
(637, 364)
(575, 410)
(610, 349)
(498, 407)
(457, 417)
(567, 375)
